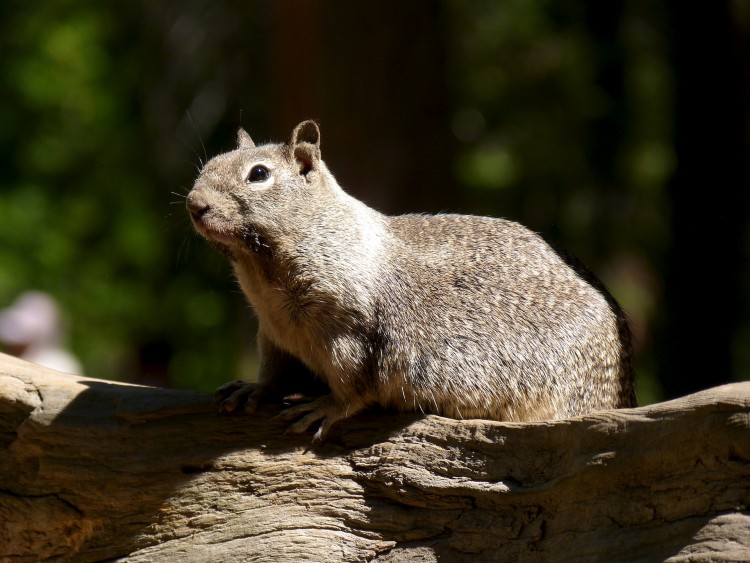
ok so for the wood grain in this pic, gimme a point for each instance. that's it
(93, 470)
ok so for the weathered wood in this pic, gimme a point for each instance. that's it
(93, 470)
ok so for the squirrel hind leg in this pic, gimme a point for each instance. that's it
(325, 409)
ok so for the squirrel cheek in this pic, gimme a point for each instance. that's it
(260, 186)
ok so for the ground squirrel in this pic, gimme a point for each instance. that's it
(457, 315)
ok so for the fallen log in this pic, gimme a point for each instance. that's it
(94, 470)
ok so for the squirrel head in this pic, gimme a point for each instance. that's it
(245, 198)
(303, 146)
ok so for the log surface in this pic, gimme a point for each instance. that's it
(92, 470)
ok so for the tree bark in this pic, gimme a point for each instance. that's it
(94, 470)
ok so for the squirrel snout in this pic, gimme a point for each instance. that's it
(196, 205)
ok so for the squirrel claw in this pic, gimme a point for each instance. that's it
(324, 409)
(293, 412)
(238, 395)
(305, 422)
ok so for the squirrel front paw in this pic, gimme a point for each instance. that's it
(239, 395)
(325, 408)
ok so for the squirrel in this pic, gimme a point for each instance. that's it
(456, 315)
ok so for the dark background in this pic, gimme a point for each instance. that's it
(618, 129)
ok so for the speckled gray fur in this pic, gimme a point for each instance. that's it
(463, 316)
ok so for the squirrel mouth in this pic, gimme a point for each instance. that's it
(214, 233)
(223, 237)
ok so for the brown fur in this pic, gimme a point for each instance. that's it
(463, 316)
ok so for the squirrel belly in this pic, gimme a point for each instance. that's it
(463, 316)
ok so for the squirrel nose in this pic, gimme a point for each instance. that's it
(196, 205)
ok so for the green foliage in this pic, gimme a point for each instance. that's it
(560, 116)
(86, 215)
(563, 125)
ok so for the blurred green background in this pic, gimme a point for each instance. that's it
(617, 129)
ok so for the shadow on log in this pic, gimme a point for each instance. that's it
(94, 470)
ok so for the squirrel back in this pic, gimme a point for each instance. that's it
(464, 316)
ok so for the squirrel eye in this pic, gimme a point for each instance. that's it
(258, 174)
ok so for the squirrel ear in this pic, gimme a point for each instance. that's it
(305, 145)
(243, 140)
(306, 132)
